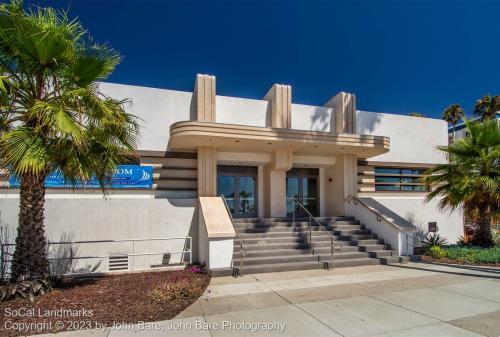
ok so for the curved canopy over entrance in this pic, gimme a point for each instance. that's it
(190, 135)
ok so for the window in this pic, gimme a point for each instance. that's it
(399, 179)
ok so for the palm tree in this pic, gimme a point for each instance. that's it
(453, 114)
(471, 179)
(416, 114)
(487, 107)
(53, 117)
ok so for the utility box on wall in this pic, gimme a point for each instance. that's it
(433, 227)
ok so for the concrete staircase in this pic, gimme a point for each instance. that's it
(277, 244)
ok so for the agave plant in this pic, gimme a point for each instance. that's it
(434, 240)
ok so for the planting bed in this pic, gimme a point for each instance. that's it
(104, 301)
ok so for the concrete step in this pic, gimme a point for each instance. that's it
(382, 253)
(346, 229)
(367, 242)
(357, 237)
(334, 224)
(304, 251)
(269, 220)
(374, 247)
(247, 261)
(290, 266)
(290, 234)
(288, 245)
(317, 239)
(351, 231)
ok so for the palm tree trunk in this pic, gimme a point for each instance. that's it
(30, 256)
(483, 236)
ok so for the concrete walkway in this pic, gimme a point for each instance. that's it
(414, 299)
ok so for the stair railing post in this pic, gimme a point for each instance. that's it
(331, 252)
(310, 230)
(240, 271)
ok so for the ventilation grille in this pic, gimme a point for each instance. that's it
(118, 262)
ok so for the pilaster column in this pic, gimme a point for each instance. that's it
(207, 171)
(350, 175)
(275, 182)
(345, 113)
(280, 97)
(204, 94)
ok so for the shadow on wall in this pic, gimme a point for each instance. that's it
(367, 121)
(421, 231)
(321, 119)
(192, 109)
(269, 121)
(63, 259)
(388, 213)
(7, 236)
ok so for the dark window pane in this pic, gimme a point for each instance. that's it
(387, 170)
(410, 180)
(387, 179)
(412, 171)
(386, 187)
(247, 194)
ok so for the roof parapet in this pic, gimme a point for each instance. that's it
(280, 97)
(345, 113)
(204, 93)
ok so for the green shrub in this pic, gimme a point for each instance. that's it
(473, 255)
(436, 252)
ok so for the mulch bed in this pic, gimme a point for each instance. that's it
(105, 301)
(430, 259)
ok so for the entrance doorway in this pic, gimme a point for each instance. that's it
(238, 184)
(302, 184)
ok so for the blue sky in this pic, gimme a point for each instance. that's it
(396, 56)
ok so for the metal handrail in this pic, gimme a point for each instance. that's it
(311, 219)
(4, 253)
(243, 248)
(379, 215)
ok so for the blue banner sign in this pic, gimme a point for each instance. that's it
(125, 176)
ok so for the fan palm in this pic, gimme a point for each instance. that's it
(53, 117)
(453, 114)
(487, 107)
(472, 177)
(416, 114)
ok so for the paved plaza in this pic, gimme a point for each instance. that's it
(407, 300)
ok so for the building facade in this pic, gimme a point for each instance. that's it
(261, 154)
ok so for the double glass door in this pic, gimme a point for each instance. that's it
(302, 185)
(238, 185)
